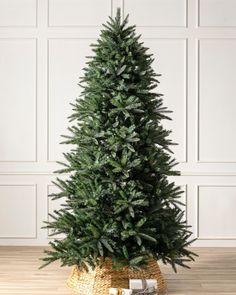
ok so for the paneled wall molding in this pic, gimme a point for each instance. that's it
(213, 173)
(184, 200)
(180, 104)
(14, 214)
(221, 216)
(87, 14)
(216, 14)
(117, 4)
(12, 112)
(227, 48)
(152, 13)
(58, 47)
(18, 14)
(51, 206)
(43, 44)
(183, 173)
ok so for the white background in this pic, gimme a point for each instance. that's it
(43, 45)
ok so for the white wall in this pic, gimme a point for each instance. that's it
(43, 45)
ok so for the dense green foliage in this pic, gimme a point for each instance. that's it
(119, 201)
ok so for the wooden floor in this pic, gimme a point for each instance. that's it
(214, 272)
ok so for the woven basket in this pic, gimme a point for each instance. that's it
(98, 281)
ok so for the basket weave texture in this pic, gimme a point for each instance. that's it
(99, 280)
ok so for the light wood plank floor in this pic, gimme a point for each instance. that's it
(214, 272)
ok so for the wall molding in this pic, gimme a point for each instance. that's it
(75, 26)
(198, 214)
(34, 237)
(58, 237)
(185, 110)
(124, 13)
(48, 88)
(35, 101)
(183, 173)
(198, 10)
(48, 28)
(25, 26)
(198, 160)
(185, 194)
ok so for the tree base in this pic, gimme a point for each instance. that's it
(98, 281)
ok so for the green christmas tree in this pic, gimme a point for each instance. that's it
(119, 201)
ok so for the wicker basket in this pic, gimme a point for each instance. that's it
(98, 281)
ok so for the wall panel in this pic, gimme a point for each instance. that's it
(18, 211)
(217, 13)
(156, 13)
(43, 45)
(78, 13)
(217, 90)
(15, 13)
(216, 212)
(53, 205)
(18, 100)
(170, 62)
(66, 58)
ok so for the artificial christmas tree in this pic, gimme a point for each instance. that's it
(120, 207)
